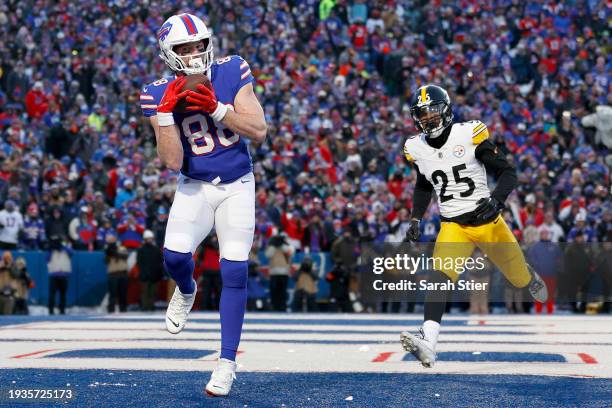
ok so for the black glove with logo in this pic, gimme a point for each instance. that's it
(414, 231)
(488, 208)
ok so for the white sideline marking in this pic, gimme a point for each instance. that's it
(282, 350)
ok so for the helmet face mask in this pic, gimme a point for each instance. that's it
(429, 119)
(186, 30)
(193, 54)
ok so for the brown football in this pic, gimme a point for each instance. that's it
(191, 82)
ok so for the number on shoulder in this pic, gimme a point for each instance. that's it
(223, 60)
(159, 82)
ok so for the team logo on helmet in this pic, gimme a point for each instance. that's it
(423, 98)
(164, 31)
(458, 151)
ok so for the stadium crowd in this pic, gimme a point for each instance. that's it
(78, 161)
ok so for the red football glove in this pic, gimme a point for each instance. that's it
(206, 100)
(169, 100)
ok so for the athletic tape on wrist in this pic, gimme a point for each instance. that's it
(165, 119)
(219, 113)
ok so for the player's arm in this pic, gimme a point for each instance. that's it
(169, 148)
(422, 195)
(248, 117)
(497, 164)
(423, 190)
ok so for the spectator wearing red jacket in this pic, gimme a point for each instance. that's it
(531, 211)
(358, 34)
(36, 102)
(130, 232)
(82, 230)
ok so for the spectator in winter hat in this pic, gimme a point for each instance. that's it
(580, 226)
(126, 193)
(36, 102)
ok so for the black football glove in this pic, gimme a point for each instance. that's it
(414, 231)
(488, 208)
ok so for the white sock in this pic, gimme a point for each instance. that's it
(431, 329)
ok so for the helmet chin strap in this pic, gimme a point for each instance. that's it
(196, 63)
(436, 133)
(439, 137)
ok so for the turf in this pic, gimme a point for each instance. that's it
(184, 389)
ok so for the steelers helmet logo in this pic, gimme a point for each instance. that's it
(423, 98)
(458, 151)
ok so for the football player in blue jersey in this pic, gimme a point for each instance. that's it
(216, 187)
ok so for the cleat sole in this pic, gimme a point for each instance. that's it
(212, 394)
(409, 345)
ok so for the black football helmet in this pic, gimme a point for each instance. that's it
(431, 109)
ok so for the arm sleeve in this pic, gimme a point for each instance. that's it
(151, 95)
(496, 164)
(422, 195)
(241, 72)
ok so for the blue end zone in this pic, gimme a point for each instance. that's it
(497, 356)
(184, 389)
(149, 353)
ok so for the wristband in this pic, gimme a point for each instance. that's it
(220, 112)
(165, 119)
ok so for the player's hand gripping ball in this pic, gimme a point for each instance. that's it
(173, 94)
(203, 98)
(190, 85)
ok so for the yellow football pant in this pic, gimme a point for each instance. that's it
(494, 239)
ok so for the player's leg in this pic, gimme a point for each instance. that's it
(190, 220)
(452, 243)
(235, 225)
(62, 293)
(52, 292)
(498, 242)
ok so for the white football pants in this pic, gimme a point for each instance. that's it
(198, 206)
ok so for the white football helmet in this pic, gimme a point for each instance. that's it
(181, 29)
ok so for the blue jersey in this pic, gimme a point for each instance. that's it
(211, 151)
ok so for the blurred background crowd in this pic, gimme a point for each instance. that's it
(78, 165)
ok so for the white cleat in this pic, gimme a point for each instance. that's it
(419, 347)
(537, 286)
(178, 309)
(222, 378)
